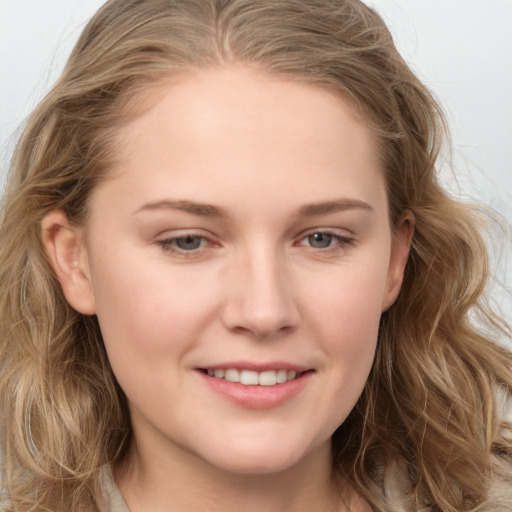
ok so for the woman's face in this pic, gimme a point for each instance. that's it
(244, 235)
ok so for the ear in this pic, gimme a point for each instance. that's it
(67, 254)
(400, 247)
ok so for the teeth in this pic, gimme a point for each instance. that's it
(249, 378)
(252, 378)
(267, 378)
(282, 376)
(232, 375)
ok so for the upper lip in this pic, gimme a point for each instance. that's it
(257, 367)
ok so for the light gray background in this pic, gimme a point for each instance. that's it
(462, 49)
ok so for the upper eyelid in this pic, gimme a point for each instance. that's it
(169, 235)
(182, 233)
(339, 232)
(169, 239)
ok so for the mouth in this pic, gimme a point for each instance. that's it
(248, 377)
(257, 385)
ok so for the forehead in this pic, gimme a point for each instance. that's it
(244, 128)
(220, 99)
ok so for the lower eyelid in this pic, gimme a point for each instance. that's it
(340, 238)
(168, 245)
(174, 239)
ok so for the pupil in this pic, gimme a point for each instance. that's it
(320, 240)
(188, 243)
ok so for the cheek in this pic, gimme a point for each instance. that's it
(344, 315)
(149, 313)
(347, 303)
(349, 332)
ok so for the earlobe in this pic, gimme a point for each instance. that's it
(68, 257)
(401, 245)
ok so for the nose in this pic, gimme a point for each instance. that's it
(260, 299)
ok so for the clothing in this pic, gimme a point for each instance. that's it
(500, 498)
(113, 498)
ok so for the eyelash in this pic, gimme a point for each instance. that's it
(341, 241)
(168, 245)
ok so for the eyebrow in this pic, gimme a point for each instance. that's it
(199, 209)
(209, 210)
(328, 207)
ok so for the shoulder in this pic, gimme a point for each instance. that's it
(114, 500)
(4, 502)
(500, 492)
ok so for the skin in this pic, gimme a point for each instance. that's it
(272, 278)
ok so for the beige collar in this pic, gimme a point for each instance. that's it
(114, 500)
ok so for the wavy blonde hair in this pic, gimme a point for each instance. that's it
(425, 435)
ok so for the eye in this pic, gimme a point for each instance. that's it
(320, 240)
(324, 240)
(190, 244)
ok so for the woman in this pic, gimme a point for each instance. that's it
(232, 281)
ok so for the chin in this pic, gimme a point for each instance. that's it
(261, 458)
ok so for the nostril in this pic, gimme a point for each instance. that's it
(261, 333)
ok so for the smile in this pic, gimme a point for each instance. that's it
(254, 378)
(257, 385)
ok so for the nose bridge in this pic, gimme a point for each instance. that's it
(261, 296)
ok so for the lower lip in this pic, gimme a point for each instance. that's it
(257, 397)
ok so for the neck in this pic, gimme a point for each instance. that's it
(183, 482)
